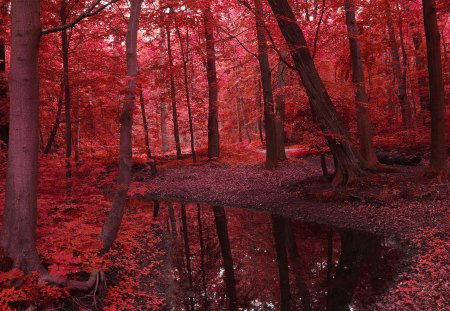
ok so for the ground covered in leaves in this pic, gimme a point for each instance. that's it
(404, 206)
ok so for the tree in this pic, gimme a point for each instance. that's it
(348, 162)
(280, 106)
(266, 81)
(438, 159)
(211, 74)
(361, 101)
(114, 219)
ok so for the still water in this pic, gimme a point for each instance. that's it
(236, 259)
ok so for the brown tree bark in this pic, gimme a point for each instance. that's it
(114, 218)
(438, 159)
(350, 165)
(220, 219)
(266, 80)
(173, 95)
(213, 91)
(146, 136)
(400, 76)
(67, 95)
(362, 116)
(280, 107)
(19, 215)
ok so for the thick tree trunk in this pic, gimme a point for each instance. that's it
(224, 241)
(362, 116)
(279, 234)
(438, 160)
(213, 91)
(19, 215)
(173, 98)
(55, 127)
(400, 77)
(266, 79)
(67, 103)
(146, 136)
(350, 165)
(280, 107)
(114, 218)
(422, 82)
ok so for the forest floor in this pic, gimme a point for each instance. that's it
(405, 206)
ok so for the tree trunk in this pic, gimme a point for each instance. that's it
(114, 218)
(146, 136)
(224, 241)
(238, 120)
(280, 107)
(55, 127)
(422, 82)
(78, 125)
(185, 56)
(213, 91)
(279, 234)
(361, 101)
(438, 159)
(266, 79)
(19, 215)
(67, 103)
(259, 106)
(350, 165)
(399, 76)
(176, 133)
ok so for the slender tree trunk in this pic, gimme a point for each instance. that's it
(67, 103)
(19, 215)
(173, 220)
(422, 82)
(78, 125)
(224, 241)
(361, 101)
(350, 165)
(55, 127)
(266, 79)
(185, 56)
(114, 218)
(399, 76)
(438, 159)
(213, 91)
(176, 133)
(146, 136)
(280, 107)
(279, 234)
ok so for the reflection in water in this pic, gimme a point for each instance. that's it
(235, 259)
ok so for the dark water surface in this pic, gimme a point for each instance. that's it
(236, 259)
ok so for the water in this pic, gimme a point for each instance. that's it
(236, 259)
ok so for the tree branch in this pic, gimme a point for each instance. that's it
(90, 11)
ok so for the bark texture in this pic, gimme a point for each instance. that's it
(362, 116)
(114, 218)
(213, 91)
(266, 80)
(438, 160)
(349, 164)
(280, 107)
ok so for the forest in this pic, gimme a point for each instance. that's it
(224, 155)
